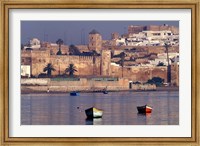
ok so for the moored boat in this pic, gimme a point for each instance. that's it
(93, 113)
(105, 92)
(144, 109)
(74, 93)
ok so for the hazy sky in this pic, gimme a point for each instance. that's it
(76, 32)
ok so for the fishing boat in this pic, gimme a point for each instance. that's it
(144, 109)
(74, 93)
(105, 92)
(93, 113)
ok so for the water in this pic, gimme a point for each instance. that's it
(120, 108)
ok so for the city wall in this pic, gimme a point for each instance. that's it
(148, 49)
(88, 66)
(138, 73)
(85, 65)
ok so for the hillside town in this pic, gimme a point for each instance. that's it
(144, 53)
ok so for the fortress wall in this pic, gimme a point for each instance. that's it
(42, 85)
(116, 71)
(82, 85)
(54, 49)
(160, 72)
(85, 68)
(37, 68)
(148, 49)
(105, 62)
(84, 64)
(39, 61)
(175, 74)
(88, 59)
(143, 87)
(41, 53)
(25, 53)
(33, 81)
(141, 74)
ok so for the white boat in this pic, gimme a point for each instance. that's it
(93, 113)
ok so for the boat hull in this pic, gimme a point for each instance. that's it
(74, 94)
(93, 113)
(105, 92)
(144, 109)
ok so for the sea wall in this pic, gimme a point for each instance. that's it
(83, 84)
(35, 82)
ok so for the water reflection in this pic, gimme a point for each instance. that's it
(120, 108)
(93, 121)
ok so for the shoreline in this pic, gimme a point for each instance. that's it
(29, 91)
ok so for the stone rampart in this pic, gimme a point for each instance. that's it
(34, 82)
(84, 84)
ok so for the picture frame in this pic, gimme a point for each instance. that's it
(111, 4)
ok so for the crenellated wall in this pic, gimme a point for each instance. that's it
(85, 65)
(141, 74)
(94, 66)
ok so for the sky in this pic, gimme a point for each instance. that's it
(76, 32)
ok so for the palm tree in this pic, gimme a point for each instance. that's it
(71, 69)
(122, 56)
(59, 42)
(168, 65)
(49, 68)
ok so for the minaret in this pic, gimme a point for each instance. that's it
(95, 41)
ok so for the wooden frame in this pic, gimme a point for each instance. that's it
(4, 92)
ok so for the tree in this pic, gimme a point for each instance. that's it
(59, 42)
(122, 56)
(73, 50)
(49, 68)
(168, 65)
(137, 82)
(160, 64)
(71, 69)
(156, 80)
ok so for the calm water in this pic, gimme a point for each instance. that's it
(119, 108)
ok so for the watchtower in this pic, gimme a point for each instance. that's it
(95, 41)
(105, 62)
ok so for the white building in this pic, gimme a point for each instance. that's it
(26, 70)
(149, 38)
(34, 44)
(162, 58)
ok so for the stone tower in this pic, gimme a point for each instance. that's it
(114, 35)
(105, 62)
(95, 41)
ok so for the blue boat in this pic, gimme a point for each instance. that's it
(74, 93)
(105, 92)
